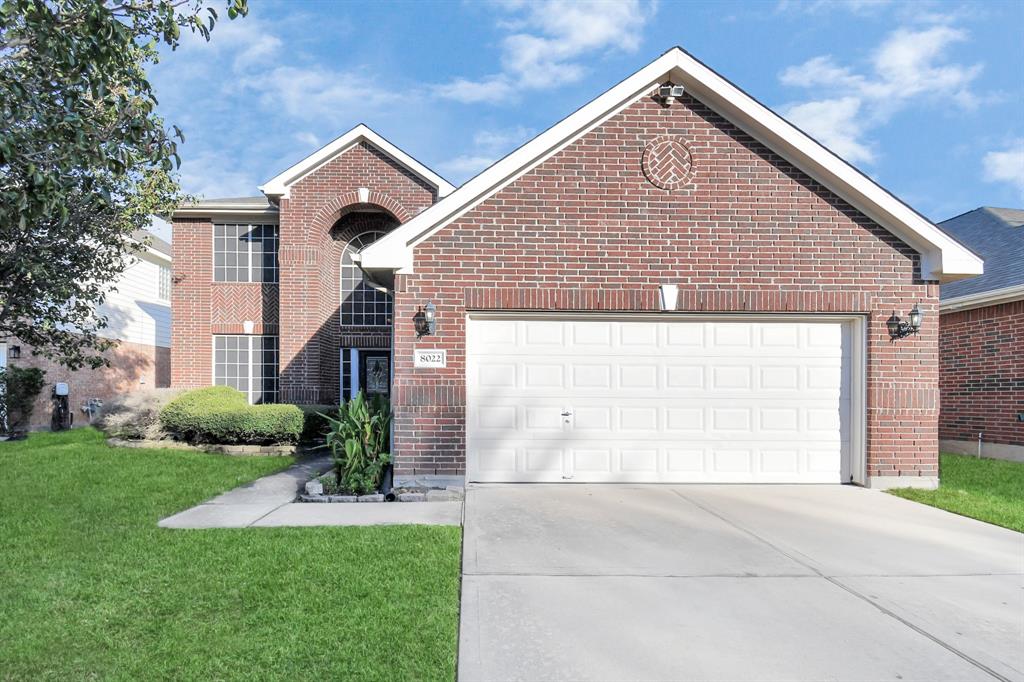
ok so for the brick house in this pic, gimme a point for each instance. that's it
(981, 339)
(671, 284)
(138, 312)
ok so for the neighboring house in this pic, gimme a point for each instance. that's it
(981, 339)
(668, 285)
(139, 315)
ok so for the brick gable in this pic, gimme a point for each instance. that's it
(302, 308)
(587, 230)
(309, 269)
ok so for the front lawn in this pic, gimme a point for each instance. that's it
(90, 588)
(987, 489)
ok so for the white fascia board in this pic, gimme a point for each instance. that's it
(278, 186)
(160, 256)
(229, 213)
(942, 257)
(983, 299)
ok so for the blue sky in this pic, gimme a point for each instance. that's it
(924, 97)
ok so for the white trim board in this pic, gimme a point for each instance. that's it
(983, 299)
(229, 213)
(942, 257)
(279, 185)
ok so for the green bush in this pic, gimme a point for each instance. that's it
(220, 414)
(315, 426)
(358, 440)
(21, 387)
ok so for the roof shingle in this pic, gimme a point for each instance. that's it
(995, 234)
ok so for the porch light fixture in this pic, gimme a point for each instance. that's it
(426, 320)
(899, 329)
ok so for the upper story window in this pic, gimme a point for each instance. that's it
(362, 304)
(164, 283)
(244, 253)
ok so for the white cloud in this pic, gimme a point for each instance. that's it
(503, 140)
(492, 88)
(1006, 165)
(836, 123)
(307, 139)
(816, 6)
(318, 94)
(211, 175)
(488, 147)
(908, 67)
(546, 41)
(465, 165)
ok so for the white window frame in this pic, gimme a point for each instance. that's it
(249, 269)
(252, 365)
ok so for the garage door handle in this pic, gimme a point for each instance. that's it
(567, 414)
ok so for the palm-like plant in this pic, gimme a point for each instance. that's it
(358, 441)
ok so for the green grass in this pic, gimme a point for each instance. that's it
(986, 489)
(90, 588)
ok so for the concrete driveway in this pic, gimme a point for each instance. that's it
(617, 582)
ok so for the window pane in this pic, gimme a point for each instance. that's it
(245, 253)
(361, 304)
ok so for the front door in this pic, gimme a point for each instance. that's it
(375, 372)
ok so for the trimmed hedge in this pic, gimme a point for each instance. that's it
(221, 414)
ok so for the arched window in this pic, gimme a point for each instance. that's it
(361, 304)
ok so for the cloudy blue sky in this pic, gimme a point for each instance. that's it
(925, 97)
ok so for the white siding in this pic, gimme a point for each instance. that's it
(135, 312)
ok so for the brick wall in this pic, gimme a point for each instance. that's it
(309, 260)
(981, 374)
(192, 276)
(738, 229)
(133, 367)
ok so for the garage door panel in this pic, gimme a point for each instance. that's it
(625, 460)
(722, 420)
(679, 401)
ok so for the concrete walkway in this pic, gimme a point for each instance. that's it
(270, 501)
(590, 582)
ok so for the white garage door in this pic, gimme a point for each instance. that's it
(688, 400)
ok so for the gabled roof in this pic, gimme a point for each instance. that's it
(154, 245)
(942, 257)
(279, 185)
(997, 235)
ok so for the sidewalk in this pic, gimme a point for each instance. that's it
(270, 501)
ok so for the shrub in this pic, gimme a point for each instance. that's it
(21, 387)
(315, 425)
(358, 440)
(220, 414)
(135, 415)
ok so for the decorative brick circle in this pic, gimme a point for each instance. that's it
(667, 162)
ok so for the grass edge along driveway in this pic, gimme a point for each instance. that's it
(91, 588)
(989, 490)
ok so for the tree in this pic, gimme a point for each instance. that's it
(85, 160)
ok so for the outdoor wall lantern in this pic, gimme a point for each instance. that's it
(426, 320)
(899, 329)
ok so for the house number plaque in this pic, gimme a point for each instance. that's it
(430, 358)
